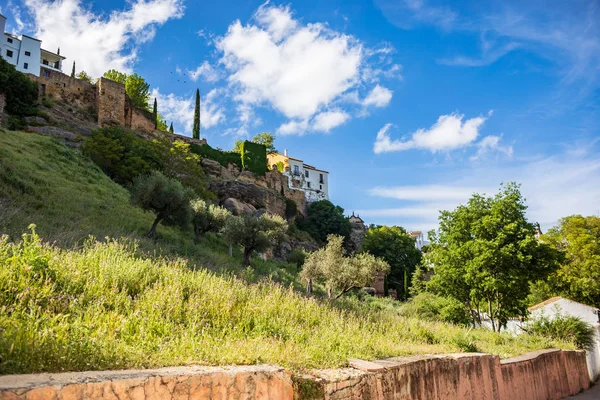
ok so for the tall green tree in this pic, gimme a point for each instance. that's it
(116, 76)
(73, 70)
(578, 277)
(171, 130)
(155, 113)
(397, 248)
(196, 129)
(325, 218)
(485, 254)
(136, 87)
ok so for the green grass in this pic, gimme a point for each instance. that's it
(119, 300)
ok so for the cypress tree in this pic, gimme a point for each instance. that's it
(155, 113)
(196, 130)
(73, 70)
(171, 130)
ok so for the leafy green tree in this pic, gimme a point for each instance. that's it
(73, 70)
(341, 273)
(397, 248)
(578, 277)
(196, 129)
(161, 124)
(237, 146)
(85, 77)
(208, 217)
(325, 219)
(136, 87)
(167, 198)
(171, 130)
(485, 254)
(21, 92)
(254, 233)
(155, 113)
(265, 138)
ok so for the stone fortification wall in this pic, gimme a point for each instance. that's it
(71, 90)
(111, 103)
(543, 375)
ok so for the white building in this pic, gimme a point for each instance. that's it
(418, 236)
(312, 181)
(26, 53)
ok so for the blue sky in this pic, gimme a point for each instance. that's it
(411, 105)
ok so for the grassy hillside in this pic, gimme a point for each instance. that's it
(126, 302)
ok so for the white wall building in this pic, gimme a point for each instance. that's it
(26, 53)
(312, 181)
(418, 236)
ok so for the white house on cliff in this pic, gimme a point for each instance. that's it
(312, 181)
(26, 53)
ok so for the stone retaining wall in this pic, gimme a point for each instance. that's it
(543, 375)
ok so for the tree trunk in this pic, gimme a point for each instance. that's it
(490, 314)
(345, 291)
(197, 234)
(230, 250)
(329, 293)
(309, 287)
(152, 231)
(247, 254)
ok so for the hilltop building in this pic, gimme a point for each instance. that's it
(26, 53)
(418, 236)
(312, 181)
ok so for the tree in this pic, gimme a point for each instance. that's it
(196, 129)
(324, 219)
(397, 248)
(161, 124)
(341, 273)
(84, 77)
(21, 92)
(208, 218)
(264, 138)
(254, 233)
(155, 113)
(171, 130)
(73, 70)
(578, 277)
(167, 198)
(136, 87)
(485, 254)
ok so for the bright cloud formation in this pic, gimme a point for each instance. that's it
(301, 71)
(448, 133)
(206, 72)
(95, 42)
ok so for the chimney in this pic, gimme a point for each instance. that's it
(285, 152)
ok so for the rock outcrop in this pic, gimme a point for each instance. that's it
(249, 193)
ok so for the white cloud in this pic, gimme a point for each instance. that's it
(96, 42)
(448, 133)
(206, 71)
(299, 70)
(424, 192)
(379, 97)
(491, 143)
(181, 110)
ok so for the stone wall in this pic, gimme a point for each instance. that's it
(111, 103)
(542, 375)
(71, 90)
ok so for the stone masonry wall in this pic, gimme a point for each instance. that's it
(111, 103)
(542, 375)
(71, 90)
(142, 120)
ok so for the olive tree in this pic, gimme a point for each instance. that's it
(254, 233)
(167, 198)
(208, 217)
(341, 273)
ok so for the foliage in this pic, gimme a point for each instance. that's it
(280, 166)
(222, 157)
(155, 113)
(291, 208)
(21, 92)
(171, 130)
(73, 70)
(167, 198)
(161, 124)
(122, 155)
(254, 158)
(297, 257)
(397, 248)
(265, 138)
(419, 279)
(85, 77)
(485, 254)
(325, 219)
(196, 128)
(341, 273)
(577, 278)
(208, 217)
(254, 233)
(431, 307)
(136, 87)
(566, 328)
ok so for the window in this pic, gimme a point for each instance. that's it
(9, 53)
(321, 180)
(46, 73)
(321, 187)
(296, 170)
(27, 53)
(306, 173)
(25, 66)
(308, 184)
(9, 40)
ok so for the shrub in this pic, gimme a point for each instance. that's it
(254, 157)
(297, 257)
(325, 219)
(291, 209)
(167, 198)
(208, 217)
(432, 307)
(222, 157)
(16, 123)
(21, 92)
(564, 328)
